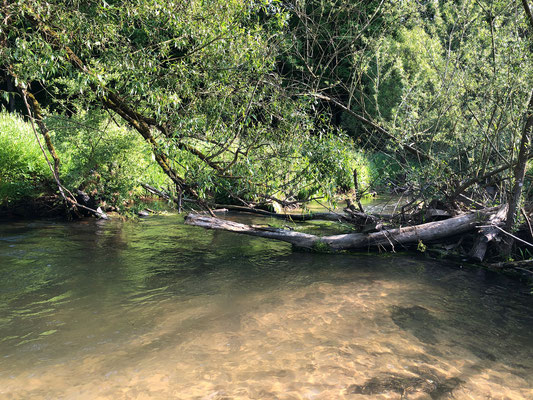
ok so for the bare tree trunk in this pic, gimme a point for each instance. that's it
(357, 197)
(529, 14)
(487, 234)
(520, 169)
(354, 241)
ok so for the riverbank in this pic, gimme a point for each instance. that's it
(113, 173)
(455, 249)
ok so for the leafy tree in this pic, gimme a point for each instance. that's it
(250, 100)
(195, 79)
(440, 87)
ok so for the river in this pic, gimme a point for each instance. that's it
(154, 309)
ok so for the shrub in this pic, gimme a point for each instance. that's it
(97, 156)
(105, 160)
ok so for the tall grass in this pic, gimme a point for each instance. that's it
(23, 169)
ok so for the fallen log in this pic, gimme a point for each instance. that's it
(512, 264)
(326, 216)
(428, 232)
(523, 268)
(488, 234)
(346, 216)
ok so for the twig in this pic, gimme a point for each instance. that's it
(528, 221)
(507, 233)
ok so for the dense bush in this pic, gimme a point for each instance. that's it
(105, 160)
(248, 100)
(97, 156)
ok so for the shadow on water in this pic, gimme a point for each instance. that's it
(426, 325)
(417, 320)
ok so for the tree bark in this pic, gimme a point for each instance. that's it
(10, 89)
(529, 14)
(357, 198)
(353, 241)
(520, 169)
(487, 235)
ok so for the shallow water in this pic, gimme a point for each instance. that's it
(158, 310)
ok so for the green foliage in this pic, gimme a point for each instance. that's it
(23, 169)
(205, 71)
(321, 247)
(330, 162)
(236, 93)
(410, 59)
(107, 161)
(453, 81)
(450, 79)
(385, 171)
(421, 247)
(103, 159)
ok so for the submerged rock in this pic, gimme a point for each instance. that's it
(435, 387)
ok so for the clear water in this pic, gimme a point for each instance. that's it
(158, 310)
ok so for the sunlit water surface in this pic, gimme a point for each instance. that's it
(158, 310)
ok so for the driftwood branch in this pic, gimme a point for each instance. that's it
(487, 234)
(354, 241)
(522, 267)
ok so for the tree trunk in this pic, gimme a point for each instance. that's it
(520, 169)
(354, 241)
(357, 199)
(10, 89)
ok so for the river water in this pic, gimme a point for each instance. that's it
(155, 309)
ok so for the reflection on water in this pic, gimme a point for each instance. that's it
(158, 310)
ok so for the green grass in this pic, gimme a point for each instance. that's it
(23, 169)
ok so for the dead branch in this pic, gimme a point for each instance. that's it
(411, 235)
